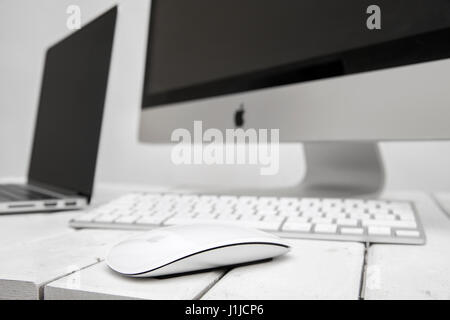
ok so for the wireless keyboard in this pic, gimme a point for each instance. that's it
(374, 221)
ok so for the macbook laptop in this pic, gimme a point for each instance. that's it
(66, 138)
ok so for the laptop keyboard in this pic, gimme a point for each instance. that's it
(14, 192)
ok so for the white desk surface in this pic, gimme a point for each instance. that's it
(40, 256)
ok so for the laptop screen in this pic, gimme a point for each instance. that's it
(71, 104)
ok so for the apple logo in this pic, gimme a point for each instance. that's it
(239, 116)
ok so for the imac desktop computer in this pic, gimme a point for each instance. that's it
(312, 69)
(338, 76)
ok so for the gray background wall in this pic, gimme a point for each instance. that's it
(28, 27)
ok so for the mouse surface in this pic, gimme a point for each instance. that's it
(188, 248)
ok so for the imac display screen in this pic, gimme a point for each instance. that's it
(203, 48)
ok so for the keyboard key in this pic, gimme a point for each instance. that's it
(203, 210)
(322, 220)
(217, 211)
(228, 199)
(298, 219)
(384, 217)
(407, 233)
(375, 204)
(332, 211)
(406, 216)
(250, 217)
(380, 211)
(288, 202)
(325, 228)
(342, 216)
(297, 226)
(309, 203)
(289, 212)
(379, 231)
(357, 231)
(359, 216)
(357, 213)
(273, 219)
(347, 222)
(389, 223)
(332, 203)
(353, 203)
(311, 213)
(245, 211)
(205, 216)
(227, 217)
(267, 212)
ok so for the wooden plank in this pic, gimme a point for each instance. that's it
(312, 270)
(100, 282)
(26, 267)
(23, 228)
(409, 271)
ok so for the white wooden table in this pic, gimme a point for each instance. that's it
(42, 258)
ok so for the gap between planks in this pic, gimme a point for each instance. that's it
(210, 286)
(42, 287)
(362, 283)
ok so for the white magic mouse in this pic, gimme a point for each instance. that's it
(187, 248)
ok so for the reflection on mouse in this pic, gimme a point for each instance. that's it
(188, 248)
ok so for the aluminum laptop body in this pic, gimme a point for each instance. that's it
(67, 133)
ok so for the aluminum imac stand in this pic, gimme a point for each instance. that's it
(343, 169)
(333, 169)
